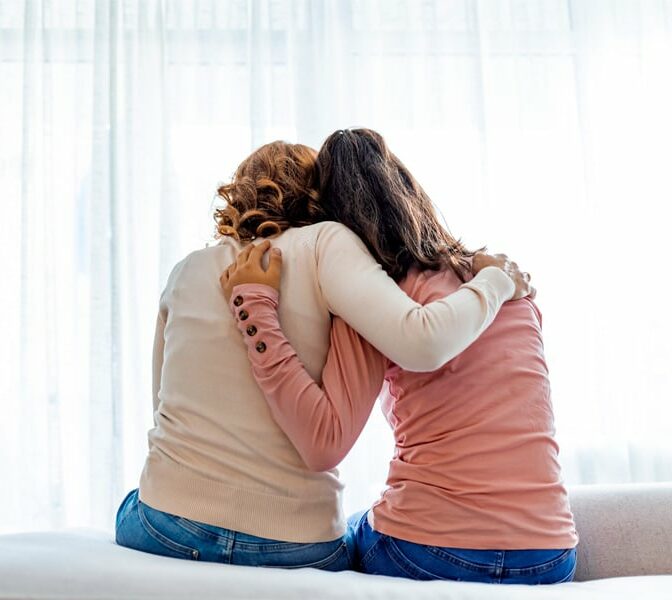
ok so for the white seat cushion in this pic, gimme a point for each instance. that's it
(79, 565)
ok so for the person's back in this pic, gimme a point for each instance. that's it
(475, 464)
(215, 442)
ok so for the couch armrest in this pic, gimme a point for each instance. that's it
(624, 530)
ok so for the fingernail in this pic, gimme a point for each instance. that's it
(277, 251)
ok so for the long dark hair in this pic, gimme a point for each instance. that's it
(368, 189)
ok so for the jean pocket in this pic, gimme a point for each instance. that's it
(327, 556)
(569, 577)
(371, 554)
(557, 568)
(474, 561)
(160, 528)
(200, 532)
(338, 560)
(556, 560)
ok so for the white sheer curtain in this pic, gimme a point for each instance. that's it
(541, 128)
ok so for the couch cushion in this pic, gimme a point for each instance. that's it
(625, 530)
(89, 565)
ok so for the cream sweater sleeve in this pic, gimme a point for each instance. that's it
(159, 340)
(157, 359)
(415, 337)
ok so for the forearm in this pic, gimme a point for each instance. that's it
(323, 424)
(423, 338)
(415, 337)
(464, 318)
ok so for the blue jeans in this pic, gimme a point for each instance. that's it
(143, 528)
(380, 554)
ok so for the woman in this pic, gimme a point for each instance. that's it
(474, 488)
(221, 481)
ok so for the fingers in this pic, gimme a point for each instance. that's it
(224, 283)
(242, 257)
(252, 253)
(226, 274)
(275, 263)
(257, 253)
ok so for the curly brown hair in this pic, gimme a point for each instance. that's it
(273, 189)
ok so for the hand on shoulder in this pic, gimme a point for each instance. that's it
(521, 279)
(248, 268)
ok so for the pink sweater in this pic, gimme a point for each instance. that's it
(475, 464)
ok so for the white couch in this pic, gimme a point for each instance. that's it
(625, 552)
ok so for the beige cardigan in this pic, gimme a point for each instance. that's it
(215, 454)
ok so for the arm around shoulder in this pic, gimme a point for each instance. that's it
(415, 337)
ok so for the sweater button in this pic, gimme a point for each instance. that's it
(261, 347)
(238, 300)
(251, 330)
(242, 315)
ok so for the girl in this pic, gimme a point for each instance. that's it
(474, 488)
(221, 481)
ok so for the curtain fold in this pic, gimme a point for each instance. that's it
(539, 127)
